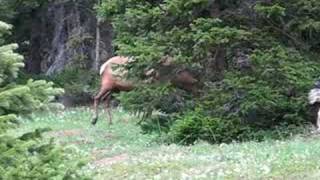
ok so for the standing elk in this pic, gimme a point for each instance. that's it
(112, 80)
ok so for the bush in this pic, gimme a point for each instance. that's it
(269, 101)
(29, 157)
(79, 85)
(195, 125)
(77, 81)
(146, 98)
(159, 123)
(273, 92)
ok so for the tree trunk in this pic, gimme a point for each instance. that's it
(64, 33)
(34, 64)
(98, 37)
(97, 57)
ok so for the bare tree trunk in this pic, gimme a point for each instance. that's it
(98, 37)
(97, 59)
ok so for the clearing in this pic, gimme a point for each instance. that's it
(121, 151)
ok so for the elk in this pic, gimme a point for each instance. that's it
(110, 82)
(113, 81)
(314, 102)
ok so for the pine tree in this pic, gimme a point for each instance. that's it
(26, 157)
(249, 56)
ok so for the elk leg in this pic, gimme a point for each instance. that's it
(108, 110)
(318, 121)
(97, 98)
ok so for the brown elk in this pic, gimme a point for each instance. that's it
(113, 80)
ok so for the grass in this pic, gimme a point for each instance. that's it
(121, 151)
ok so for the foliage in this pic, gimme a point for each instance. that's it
(197, 125)
(296, 20)
(274, 91)
(277, 41)
(234, 103)
(77, 81)
(194, 125)
(10, 8)
(26, 156)
(23, 158)
(21, 14)
(137, 156)
(147, 31)
(167, 99)
(252, 104)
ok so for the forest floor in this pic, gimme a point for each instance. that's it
(121, 151)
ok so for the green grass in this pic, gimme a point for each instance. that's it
(121, 151)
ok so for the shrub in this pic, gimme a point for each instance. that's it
(268, 101)
(79, 85)
(77, 81)
(273, 92)
(195, 125)
(147, 98)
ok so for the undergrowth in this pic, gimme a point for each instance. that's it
(126, 153)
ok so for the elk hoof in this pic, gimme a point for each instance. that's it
(94, 121)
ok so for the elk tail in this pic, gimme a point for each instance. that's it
(103, 67)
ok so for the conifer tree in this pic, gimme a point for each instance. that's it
(255, 62)
(27, 156)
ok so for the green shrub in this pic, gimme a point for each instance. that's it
(29, 157)
(274, 91)
(143, 99)
(195, 125)
(77, 81)
(268, 101)
(157, 123)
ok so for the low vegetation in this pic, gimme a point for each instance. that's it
(122, 151)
